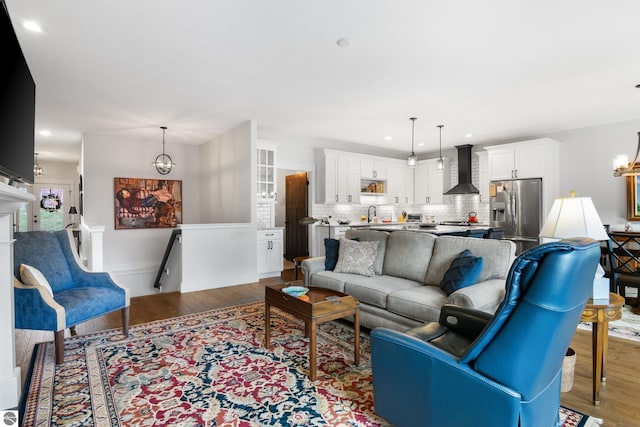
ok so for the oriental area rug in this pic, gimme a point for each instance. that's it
(208, 369)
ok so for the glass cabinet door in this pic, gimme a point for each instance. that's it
(266, 174)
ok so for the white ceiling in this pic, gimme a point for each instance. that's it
(501, 70)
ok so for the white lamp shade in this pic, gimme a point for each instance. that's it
(573, 217)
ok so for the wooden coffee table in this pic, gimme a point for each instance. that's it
(317, 310)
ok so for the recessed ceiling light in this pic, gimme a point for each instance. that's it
(420, 144)
(388, 138)
(32, 26)
(343, 42)
(45, 132)
(468, 135)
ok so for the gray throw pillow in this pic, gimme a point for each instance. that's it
(357, 257)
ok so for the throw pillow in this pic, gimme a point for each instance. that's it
(331, 248)
(463, 271)
(331, 251)
(356, 257)
(31, 276)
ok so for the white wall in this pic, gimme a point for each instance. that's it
(586, 166)
(227, 165)
(134, 256)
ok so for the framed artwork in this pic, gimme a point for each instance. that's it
(633, 208)
(147, 203)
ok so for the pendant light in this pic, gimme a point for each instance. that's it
(412, 159)
(163, 162)
(37, 169)
(440, 162)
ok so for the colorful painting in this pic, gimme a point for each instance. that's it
(147, 203)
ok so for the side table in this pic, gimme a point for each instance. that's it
(600, 313)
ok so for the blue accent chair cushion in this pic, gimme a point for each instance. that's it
(506, 369)
(463, 271)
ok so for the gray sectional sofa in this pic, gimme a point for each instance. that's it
(409, 266)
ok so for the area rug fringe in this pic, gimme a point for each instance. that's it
(208, 369)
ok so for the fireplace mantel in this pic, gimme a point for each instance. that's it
(10, 200)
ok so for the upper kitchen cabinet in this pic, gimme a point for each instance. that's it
(528, 159)
(338, 177)
(373, 168)
(399, 183)
(267, 171)
(348, 179)
(431, 183)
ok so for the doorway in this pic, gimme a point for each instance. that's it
(296, 207)
(49, 211)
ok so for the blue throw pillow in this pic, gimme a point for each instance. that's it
(331, 252)
(331, 248)
(463, 271)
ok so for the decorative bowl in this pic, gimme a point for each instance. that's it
(344, 221)
(295, 291)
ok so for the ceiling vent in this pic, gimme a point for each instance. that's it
(464, 186)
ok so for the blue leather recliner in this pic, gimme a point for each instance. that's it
(67, 294)
(475, 369)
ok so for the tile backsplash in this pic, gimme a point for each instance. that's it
(265, 215)
(456, 207)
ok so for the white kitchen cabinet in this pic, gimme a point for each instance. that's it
(270, 252)
(537, 158)
(483, 175)
(373, 168)
(338, 177)
(348, 179)
(431, 183)
(527, 159)
(266, 178)
(399, 187)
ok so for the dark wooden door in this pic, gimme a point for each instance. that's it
(296, 208)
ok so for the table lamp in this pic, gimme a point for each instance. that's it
(72, 213)
(577, 217)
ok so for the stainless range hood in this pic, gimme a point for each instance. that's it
(464, 186)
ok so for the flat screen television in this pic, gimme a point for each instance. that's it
(17, 106)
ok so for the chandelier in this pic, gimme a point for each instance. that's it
(163, 162)
(622, 166)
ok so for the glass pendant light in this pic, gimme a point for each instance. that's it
(163, 162)
(37, 169)
(440, 162)
(412, 160)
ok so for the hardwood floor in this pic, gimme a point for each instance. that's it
(618, 396)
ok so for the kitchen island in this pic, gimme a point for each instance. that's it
(439, 230)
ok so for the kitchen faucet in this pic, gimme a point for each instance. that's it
(369, 217)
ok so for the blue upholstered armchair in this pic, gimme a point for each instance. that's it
(53, 291)
(474, 369)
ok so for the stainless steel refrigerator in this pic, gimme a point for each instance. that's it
(516, 206)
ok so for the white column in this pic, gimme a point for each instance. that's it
(10, 201)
